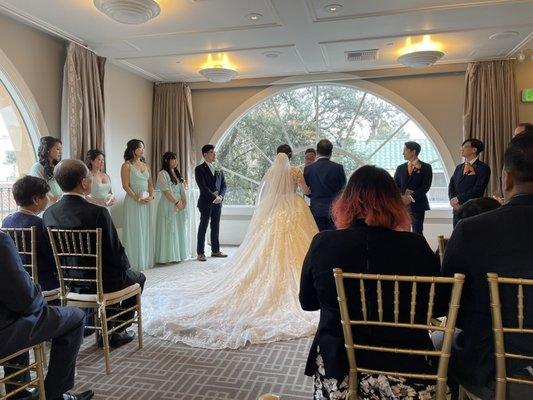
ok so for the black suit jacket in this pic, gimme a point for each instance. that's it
(497, 241)
(373, 250)
(208, 184)
(326, 179)
(466, 187)
(419, 182)
(74, 212)
(19, 296)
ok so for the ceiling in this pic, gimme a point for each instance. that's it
(293, 37)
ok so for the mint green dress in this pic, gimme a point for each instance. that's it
(137, 229)
(101, 190)
(171, 226)
(37, 170)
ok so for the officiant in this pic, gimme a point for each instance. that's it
(212, 187)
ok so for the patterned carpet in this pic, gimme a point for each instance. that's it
(162, 370)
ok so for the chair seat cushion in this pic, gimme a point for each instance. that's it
(107, 296)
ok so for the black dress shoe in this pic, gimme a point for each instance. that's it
(87, 395)
(27, 394)
(121, 338)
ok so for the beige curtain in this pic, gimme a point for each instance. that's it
(83, 108)
(490, 112)
(172, 126)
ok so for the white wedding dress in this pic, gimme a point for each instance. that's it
(253, 297)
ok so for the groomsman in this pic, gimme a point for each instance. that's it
(470, 178)
(413, 178)
(212, 187)
(326, 179)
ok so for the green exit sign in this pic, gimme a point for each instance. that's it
(527, 95)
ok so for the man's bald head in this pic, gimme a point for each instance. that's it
(70, 174)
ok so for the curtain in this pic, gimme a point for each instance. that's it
(172, 127)
(83, 108)
(490, 112)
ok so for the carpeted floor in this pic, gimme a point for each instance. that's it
(163, 370)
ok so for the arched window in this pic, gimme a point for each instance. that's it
(364, 129)
(17, 153)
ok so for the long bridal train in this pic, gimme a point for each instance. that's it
(253, 297)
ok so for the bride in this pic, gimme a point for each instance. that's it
(252, 298)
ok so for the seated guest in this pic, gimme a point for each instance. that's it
(30, 194)
(477, 206)
(522, 127)
(26, 320)
(72, 211)
(496, 241)
(470, 178)
(414, 181)
(370, 217)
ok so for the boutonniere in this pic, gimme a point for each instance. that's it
(217, 171)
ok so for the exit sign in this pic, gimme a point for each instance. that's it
(527, 95)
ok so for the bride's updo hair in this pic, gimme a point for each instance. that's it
(285, 148)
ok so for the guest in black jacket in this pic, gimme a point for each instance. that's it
(496, 241)
(370, 216)
(414, 181)
(470, 178)
(30, 194)
(74, 212)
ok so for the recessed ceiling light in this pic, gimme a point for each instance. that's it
(254, 16)
(272, 54)
(503, 35)
(333, 8)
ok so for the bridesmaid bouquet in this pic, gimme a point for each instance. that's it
(109, 200)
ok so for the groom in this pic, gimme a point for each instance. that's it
(326, 179)
(212, 187)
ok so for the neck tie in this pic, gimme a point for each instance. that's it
(410, 168)
(467, 168)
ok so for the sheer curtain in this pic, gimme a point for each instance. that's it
(490, 111)
(172, 130)
(83, 108)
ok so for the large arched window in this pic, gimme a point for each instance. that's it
(364, 129)
(17, 152)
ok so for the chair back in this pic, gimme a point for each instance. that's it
(442, 246)
(393, 282)
(502, 323)
(25, 242)
(78, 257)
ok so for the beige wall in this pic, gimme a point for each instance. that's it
(524, 79)
(128, 100)
(438, 97)
(38, 58)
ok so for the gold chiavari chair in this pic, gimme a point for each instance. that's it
(269, 396)
(26, 244)
(442, 246)
(36, 367)
(447, 327)
(501, 327)
(78, 256)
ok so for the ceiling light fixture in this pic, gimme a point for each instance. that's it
(218, 74)
(420, 55)
(129, 11)
(272, 54)
(333, 8)
(254, 17)
(503, 35)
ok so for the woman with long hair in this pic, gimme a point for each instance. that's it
(49, 154)
(101, 191)
(373, 238)
(137, 183)
(171, 234)
(253, 297)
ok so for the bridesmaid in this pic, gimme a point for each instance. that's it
(170, 236)
(49, 153)
(139, 188)
(101, 192)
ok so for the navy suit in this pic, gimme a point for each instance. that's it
(496, 241)
(420, 183)
(466, 187)
(208, 185)
(326, 179)
(26, 320)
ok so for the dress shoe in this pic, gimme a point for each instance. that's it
(27, 394)
(87, 395)
(118, 339)
(219, 254)
(201, 257)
